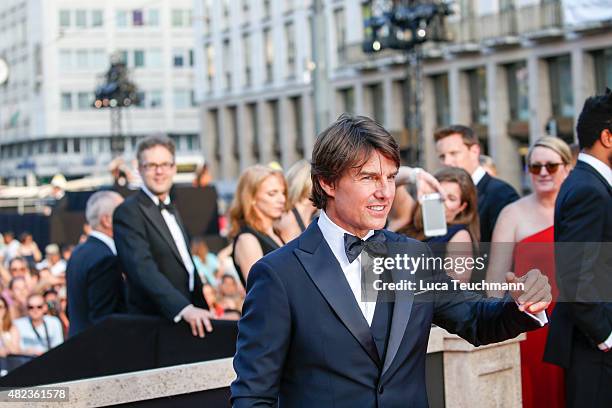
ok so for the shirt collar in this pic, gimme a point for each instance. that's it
(110, 243)
(478, 174)
(601, 167)
(334, 235)
(153, 196)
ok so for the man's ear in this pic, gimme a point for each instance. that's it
(605, 137)
(329, 188)
(475, 149)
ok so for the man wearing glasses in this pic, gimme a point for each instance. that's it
(38, 332)
(153, 246)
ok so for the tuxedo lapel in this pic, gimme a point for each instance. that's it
(401, 314)
(153, 214)
(321, 265)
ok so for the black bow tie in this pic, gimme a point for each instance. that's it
(168, 207)
(375, 245)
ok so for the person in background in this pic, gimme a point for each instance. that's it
(210, 295)
(11, 247)
(38, 332)
(580, 334)
(202, 177)
(206, 263)
(488, 164)
(67, 251)
(153, 246)
(301, 210)
(522, 240)
(53, 260)
(19, 267)
(18, 297)
(458, 146)
(29, 248)
(461, 214)
(9, 335)
(260, 201)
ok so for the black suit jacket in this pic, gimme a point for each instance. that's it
(583, 220)
(94, 282)
(158, 281)
(493, 195)
(304, 341)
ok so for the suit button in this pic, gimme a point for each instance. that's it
(381, 389)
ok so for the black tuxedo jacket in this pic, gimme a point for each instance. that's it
(158, 281)
(304, 342)
(493, 195)
(94, 282)
(583, 219)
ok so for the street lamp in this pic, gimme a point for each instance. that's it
(405, 26)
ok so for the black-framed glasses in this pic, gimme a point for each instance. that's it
(165, 166)
(551, 168)
(38, 307)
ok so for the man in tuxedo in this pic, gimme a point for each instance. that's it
(94, 279)
(580, 335)
(153, 246)
(458, 146)
(308, 339)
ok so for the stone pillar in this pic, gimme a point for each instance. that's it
(583, 80)
(503, 148)
(540, 107)
(308, 128)
(459, 97)
(428, 114)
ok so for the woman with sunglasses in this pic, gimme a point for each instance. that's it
(523, 239)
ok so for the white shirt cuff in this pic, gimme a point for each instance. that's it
(606, 344)
(179, 316)
(540, 317)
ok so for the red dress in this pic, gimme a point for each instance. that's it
(543, 383)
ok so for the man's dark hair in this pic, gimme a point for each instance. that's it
(467, 134)
(152, 141)
(347, 144)
(17, 259)
(596, 116)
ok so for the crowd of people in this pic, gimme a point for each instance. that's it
(137, 257)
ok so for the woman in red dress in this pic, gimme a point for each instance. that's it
(523, 239)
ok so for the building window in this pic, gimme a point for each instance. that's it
(137, 18)
(603, 69)
(66, 101)
(442, 99)
(518, 92)
(298, 122)
(181, 18)
(269, 54)
(340, 27)
(560, 79)
(246, 57)
(478, 95)
(139, 59)
(76, 145)
(235, 136)
(290, 38)
(152, 18)
(64, 18)
(266, 8)
(178, 57)
(276, 118)
(97, 18)
(210, 60)
(65, 60)
(254, 125)
(122, 18)
(80, 19)
(227, 63)
(181, 99)
(347, 96)
(154, 58)
(376, 96)
(82, 59)
(155, 99)
(84, 100)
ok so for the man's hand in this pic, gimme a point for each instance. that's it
(536, 295)
(198, 319)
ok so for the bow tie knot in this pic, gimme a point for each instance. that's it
(163, 206)
(374, 246)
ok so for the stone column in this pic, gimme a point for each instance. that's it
(540, 107)
(459, 97)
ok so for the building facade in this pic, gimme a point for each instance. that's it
(57, 52)
(514, 70)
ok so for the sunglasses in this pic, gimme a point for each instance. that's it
(32, 307)
(551, 168)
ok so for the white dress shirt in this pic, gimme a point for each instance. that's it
(334, 235)
(478, 174)
(108, 241)
(177, 235)
(606, 172)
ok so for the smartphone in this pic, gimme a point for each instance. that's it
(434, 219)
